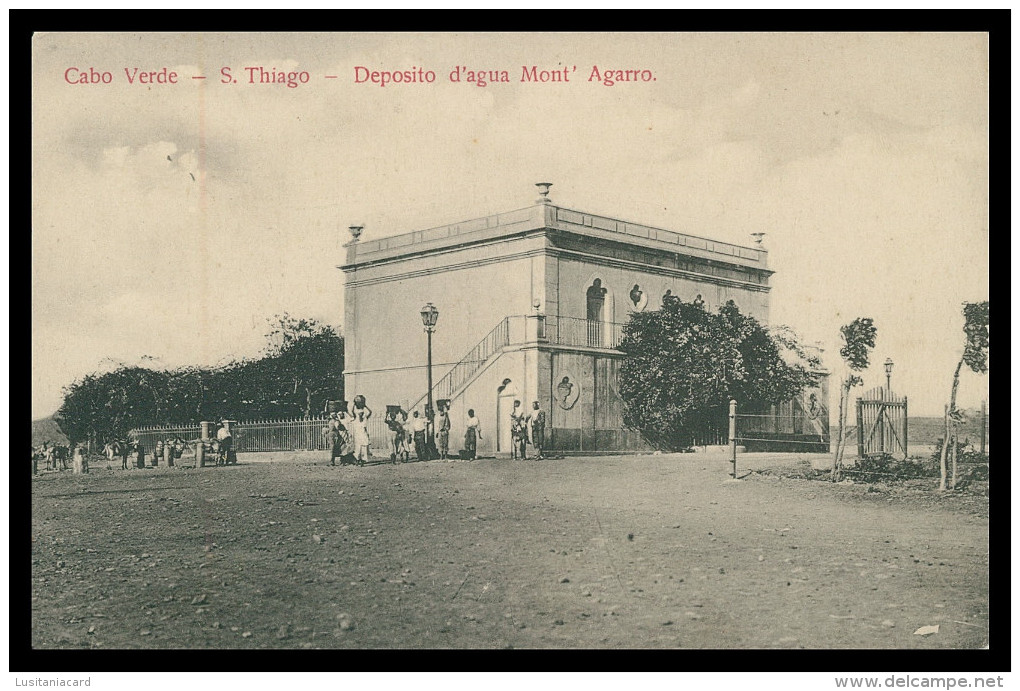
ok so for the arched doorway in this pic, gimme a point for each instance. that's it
(505, 397)
(596, 313)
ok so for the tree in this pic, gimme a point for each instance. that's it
(305, 363)
(77, 414)
(858, 340)
(975, 356)
(101, 407)
(301, 367)
(684, 365)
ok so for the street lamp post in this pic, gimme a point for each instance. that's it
(429, 317)
(888, 374)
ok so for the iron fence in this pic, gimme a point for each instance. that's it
(281, 435)
(267, 435)
(148, 436)
(574, 331)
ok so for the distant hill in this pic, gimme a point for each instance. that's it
(47, 429)
(928, 430)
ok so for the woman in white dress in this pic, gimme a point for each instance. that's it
(361, 439)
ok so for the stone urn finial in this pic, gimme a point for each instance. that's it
(543, 191)
(355, 232)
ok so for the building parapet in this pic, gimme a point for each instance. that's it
(569, 220)
(548, 216)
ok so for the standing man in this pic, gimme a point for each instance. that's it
(226, 441)
(537, 421)
(444, 430)
(471, 436)
(125, 450)
(395, 430)
(404, 447)
(418, 427)
(518, 437)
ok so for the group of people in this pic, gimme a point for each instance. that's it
(349, 441)
(426, 436)
(75, 456)
(347, 434)
(223, 446)
(168, 451)
(526, 427)
(59, 457)
(430, 438)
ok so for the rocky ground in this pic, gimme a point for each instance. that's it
(612, 552)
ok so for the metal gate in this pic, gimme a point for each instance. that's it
(881, 423)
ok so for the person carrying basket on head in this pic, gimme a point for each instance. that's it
(339, 438)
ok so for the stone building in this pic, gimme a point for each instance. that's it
(531, 306)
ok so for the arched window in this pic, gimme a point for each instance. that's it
(596, 303)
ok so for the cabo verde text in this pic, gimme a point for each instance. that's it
(292, 79)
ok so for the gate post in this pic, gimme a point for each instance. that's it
(204, 435)
(733, 436)
(860, 428)
(984, 425)
(882, 422)
(905, 441)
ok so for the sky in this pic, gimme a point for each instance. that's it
(171, 221)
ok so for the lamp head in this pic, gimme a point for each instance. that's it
(429, 316)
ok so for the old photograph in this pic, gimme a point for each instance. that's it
(540, 340)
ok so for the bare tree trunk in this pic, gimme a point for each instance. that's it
(942, 454)
(947, 438)
(953, 452)
(837, 458)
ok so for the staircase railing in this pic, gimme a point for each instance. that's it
(460, 373)
(569, 331)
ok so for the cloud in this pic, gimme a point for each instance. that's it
(879, 208)
(865, 230)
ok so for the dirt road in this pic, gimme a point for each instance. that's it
(610, 552)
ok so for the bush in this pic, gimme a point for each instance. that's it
(885, 468)
(972, 465)
(965, 452)
(684, 364)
